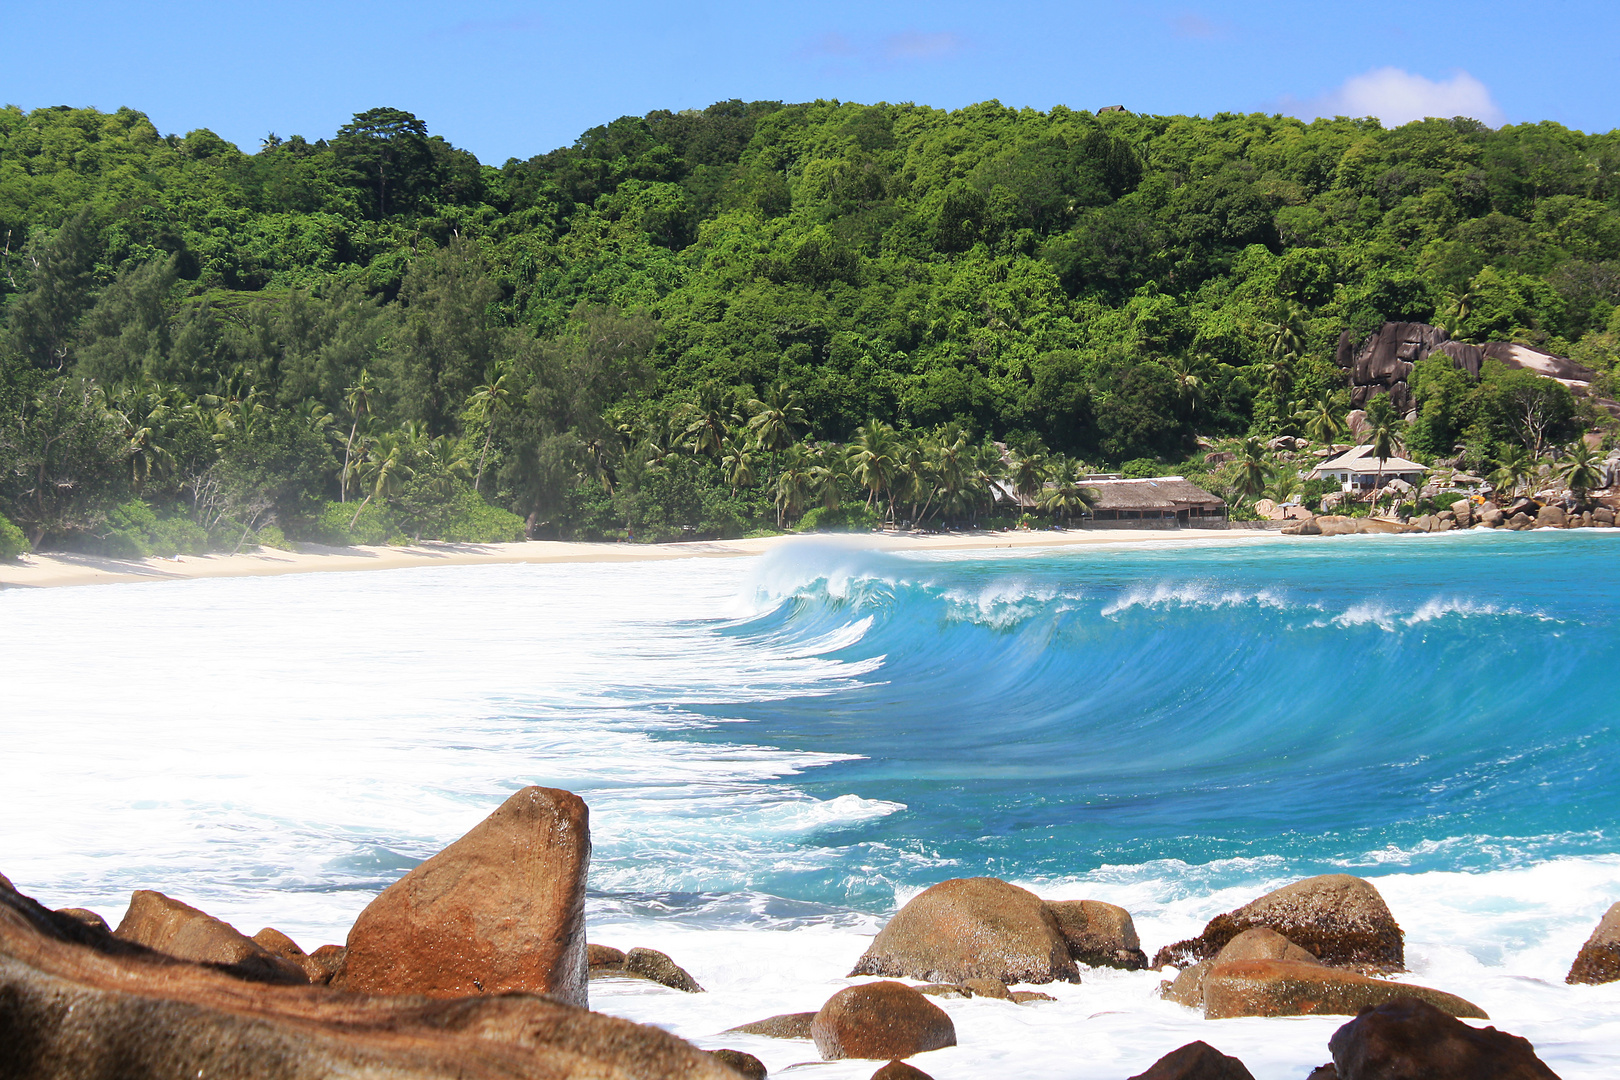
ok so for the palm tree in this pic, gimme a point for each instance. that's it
(1512, 470)
(384, 470)
(1285, 333)
(775, 418)
(1320, 419)
(1031, 465)
(141, 416)
(1253, 469)
(872, 457)
(709, 420)
(358, 399)
(1454, 316)
(794, 484)
(1382, 437)
(1189, 386)
(490, 399)
(737, 462)
(1067, 494)
(827, 479)
(1582, 471)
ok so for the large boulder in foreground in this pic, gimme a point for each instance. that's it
(500, 910)
(1196, 1061)
(77, 1002)
(971, 928)
(169, 926)
(1256, 943)
(881, 1021)
(1339, 919)
(1099, 934)
(1291, 988)
(1599, 959)
(1407, 1037)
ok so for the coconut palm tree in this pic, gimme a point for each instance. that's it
(775, 417)
(737, 461)
(490, 399)
(358, 399)
(1253, 469)
(827, 478)
(384, 470)
(1031, 465)
(794, 484)
(1513, 468)
(873, 457)
(1581, 470)
(709, 420)
(1320, 420)
(1067, 494)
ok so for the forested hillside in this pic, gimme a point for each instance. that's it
(728, 319)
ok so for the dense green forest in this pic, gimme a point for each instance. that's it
(749, 317)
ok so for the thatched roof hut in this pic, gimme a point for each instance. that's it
(1155, 498)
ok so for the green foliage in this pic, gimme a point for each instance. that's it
(853, 517)
(631, 335)
(1141, 468)
(134, 530)
(13, 544)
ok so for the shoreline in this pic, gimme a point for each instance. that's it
(61, 569)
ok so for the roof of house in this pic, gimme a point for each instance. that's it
(1361, 459)
(1156, 492)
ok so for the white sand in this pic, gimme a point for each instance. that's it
(54, 569)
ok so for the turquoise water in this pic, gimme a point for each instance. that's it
(1435, 704)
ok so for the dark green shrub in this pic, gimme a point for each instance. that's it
(12, 541)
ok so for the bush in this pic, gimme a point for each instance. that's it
(12, 541)
(1141, 469)
(851, 517)
(375, 525)
(133, 530)
(474, 521)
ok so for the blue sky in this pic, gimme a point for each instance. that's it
(505, 78)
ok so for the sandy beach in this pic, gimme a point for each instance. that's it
(55, 569)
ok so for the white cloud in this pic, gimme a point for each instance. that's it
(1398, 97)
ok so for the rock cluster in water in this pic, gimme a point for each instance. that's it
(475, 965)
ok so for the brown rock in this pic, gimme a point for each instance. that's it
(165, 924)
(1262, 943)
(1290, 988)
(1599, 959)
(746, 1064)
(86, 916)
(899, 1070)
(1492, 515)
(1188, 987)
(1521, 520)
(1329, 1071)
(1099, 934)
(1603, 516)
(1464, 511)
(1410, 1038)
(1551, 516)
(971, 928)
(880, 1020)
(986, 988)
(602, 956)
(1341, 919)
(502, 909)
(330, 958)
(286, 948)
(783, 1026)
(944, 990)
(1196, 1061)
(654, 965)
(1025, 997)
(76, 1002)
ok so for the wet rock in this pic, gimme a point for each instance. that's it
(1553, 517)
(986, 988)
(78, 1002)
(881, 1020)
(1196, 1061)
(1599, 959)
(1305, 527)
(1340, 919)
(944, 990)
(899, 1070)
(746, 1065)
(86, 916)
(1025, 997)
(1411, 1038)
(286, 948)
(1426, 522)
(971, 928)
(500, 910)
(1099, 934)
(1188, 986)
(654, 965)
(1262, 943)
(1291, 988)
(602, 956)
(169, 926)
(782, 1026)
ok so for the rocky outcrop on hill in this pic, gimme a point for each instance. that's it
(1599, 959)
(180, 930)
(1292, 988)
(881, 1021)
(1196, 1061)
(77, 1002)
(971, 928)
(1411, 1038)
(1099, 934)
(500, 910)
(1340, 919)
